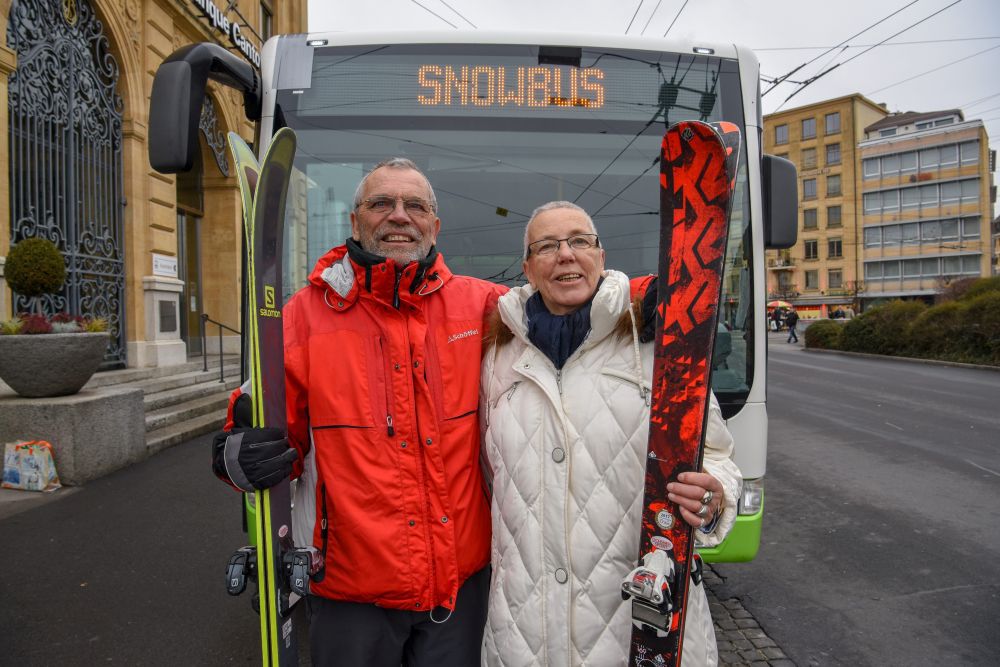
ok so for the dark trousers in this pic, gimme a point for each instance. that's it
(792, 334)
(350, 634)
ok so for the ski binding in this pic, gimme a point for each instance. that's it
(649, 586)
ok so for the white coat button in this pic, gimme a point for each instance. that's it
(561, 576)
(558, 454)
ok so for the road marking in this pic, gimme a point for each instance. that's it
(992, 472)
(899, 428)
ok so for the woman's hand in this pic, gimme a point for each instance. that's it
(699, 496)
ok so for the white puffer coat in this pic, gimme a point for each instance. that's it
(567, 451)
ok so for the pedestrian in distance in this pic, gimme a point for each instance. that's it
(564, 405)
(382, 367)
(791, 320)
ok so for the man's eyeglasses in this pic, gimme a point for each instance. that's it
(383, 205)
(575, 243)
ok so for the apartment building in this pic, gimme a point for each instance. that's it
(822, 271)
(927, 203)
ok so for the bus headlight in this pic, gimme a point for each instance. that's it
(752, 497)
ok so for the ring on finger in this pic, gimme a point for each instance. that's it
(702, 524)
(707, 498)
(702, 511)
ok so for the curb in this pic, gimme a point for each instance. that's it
(741, 640)
(931, 362)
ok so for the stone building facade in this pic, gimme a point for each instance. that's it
(821, 272)
(148, 252)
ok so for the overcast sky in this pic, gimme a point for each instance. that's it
(778, 30)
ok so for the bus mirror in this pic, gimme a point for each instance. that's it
(781, 202)
(178, 95)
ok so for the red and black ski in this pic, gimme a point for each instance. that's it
(697, 173)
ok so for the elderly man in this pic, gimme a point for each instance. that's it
(382, 359)
(564, 406)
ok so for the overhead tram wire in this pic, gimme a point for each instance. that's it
(431, 11)
(977, 102)
(940, 67)
(462, 16)
(781, 79)
(669, 27)
(651, 15)
(858, 55)
(636, 13)
(861, 46)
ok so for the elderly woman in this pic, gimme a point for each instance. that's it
(565, 417)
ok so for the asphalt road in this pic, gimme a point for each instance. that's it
(882, 500)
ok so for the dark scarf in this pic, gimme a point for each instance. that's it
(369, 260)
(557, 336)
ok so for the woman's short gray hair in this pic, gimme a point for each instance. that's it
(394, 163)
(550, 206)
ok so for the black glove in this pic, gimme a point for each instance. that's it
(252, 458)
(648, 332)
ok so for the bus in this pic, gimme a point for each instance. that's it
(500, 123)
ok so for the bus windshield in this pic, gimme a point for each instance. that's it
(501, 129)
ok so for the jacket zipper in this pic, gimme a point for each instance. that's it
(395, 289)
(559, 380)
(324, 527)
(387, 387)
(509, 392)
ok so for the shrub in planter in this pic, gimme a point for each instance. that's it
(938, 330)
(35, 267)
(44, 355)
(824, 335)
(883, 329)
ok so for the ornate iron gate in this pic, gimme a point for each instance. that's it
(66, 156)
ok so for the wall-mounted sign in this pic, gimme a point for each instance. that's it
(164, 265)
(230, 29)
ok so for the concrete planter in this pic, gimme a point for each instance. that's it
(41, 365)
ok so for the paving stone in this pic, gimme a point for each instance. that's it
(754, 633)
(726, 623)
(759, 663)
(732, 635)
(761, 642)
(782, 663)
(743, 645)
(733, 603)
(751, 655)
(746, 623)
(741, 613)
(725, 646)
(773, 653)
(729, 658)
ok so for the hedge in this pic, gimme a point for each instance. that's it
(825, 334)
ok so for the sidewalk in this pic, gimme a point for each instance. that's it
(742, 642)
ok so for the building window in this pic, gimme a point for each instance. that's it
(808, 158)
(891, 132)
(907, 162)
(873, 237)
(833, 122)
(812, 249)
(809, 219)
(833, 216)
(834, 248)
(970, 152)
(833, 153)
(929, 158)
(910, 233)
(890, 165)
(781, 134)
(833, 185)
(266, 21)
(949, 155)
(808, 128)
(871, 168)
(812, 279)
(809, 188)
(835, 279)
